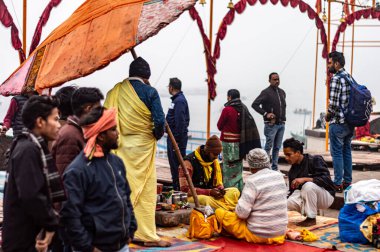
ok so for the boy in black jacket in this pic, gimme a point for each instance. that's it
(30, 190)
(310, 184)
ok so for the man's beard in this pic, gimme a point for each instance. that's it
(332, 70)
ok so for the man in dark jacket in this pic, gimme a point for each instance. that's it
(13, 117)
(178, 119)
(70, 140)
(98, 215)
(272, 106)
(310, 184)
(29, 218)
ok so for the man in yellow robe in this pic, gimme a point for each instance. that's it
(140, 121)
(204, 169)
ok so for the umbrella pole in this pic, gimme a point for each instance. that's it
(178, 154)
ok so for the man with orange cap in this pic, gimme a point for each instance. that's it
(204, 169)
(98, 215)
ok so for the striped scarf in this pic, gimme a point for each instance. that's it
(53, 180)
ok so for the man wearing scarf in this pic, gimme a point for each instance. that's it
(239, 136)
(98, 215)
(33, 183)
(204, 169)
(140, 121)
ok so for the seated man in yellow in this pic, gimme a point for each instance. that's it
(261, 213)
(204, 169)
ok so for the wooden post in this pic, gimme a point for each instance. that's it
(315, 79)
(24, 12)
(178, 154)
(182, 163)
(328, 74)
(208, 82)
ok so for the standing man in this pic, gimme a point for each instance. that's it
(70, 140)
(178, 119)
(239, 136)
(13, 117)
(32, 186)
(140, 121)
(340, 133)
(272, 106)
(98, 215)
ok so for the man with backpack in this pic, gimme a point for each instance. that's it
(349, 107)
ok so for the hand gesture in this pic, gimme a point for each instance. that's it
(215, 192)
(42, 244)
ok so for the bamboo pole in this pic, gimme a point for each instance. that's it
(24, 14)
(208, 82)
(327, 74)
(182, 163)
(178, 153)
(315, 78)
(352, 48)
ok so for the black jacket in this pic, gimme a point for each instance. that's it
(271, 100)
(178, 116)
(27, 208)
(312, 167)
(98, 212)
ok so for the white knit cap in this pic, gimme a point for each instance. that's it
(258, 158)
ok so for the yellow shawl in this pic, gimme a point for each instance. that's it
(207, 167)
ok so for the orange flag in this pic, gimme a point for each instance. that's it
(318, 6)
(346, 9)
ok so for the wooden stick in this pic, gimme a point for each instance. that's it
(182, 164)
(178, 154)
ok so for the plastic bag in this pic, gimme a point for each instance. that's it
(350, 220)
(362, 191)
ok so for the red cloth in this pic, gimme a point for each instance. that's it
(228, 244)
(7, 20)
(362, 131)
(41, 23)
(12, 109)
(229, 122)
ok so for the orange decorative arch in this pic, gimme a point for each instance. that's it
(369, 13)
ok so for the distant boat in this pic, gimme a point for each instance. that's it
(302, 111)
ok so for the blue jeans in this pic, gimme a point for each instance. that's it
(273, 139)
(340, 148)
(173, 159)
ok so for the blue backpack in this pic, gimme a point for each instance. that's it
(359, 106)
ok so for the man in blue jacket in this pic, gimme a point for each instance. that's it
(98, 215)
(178, 119)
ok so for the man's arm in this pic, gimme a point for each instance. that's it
(71, 213)
(31, 187)
(222, 119)
(321, 173)
(64, 151)
(158, 115)
(12, 109)
(244, 207)
(184, 186)
(179, 119)
(335, 91)
(256, 105)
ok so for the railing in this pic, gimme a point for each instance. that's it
(196, 138)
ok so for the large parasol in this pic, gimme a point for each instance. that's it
(98, 32)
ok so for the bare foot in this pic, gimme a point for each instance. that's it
(160, 243)
(308, 222)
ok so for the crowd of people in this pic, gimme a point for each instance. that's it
(91, 184)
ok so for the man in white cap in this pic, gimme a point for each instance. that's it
(261, 213)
